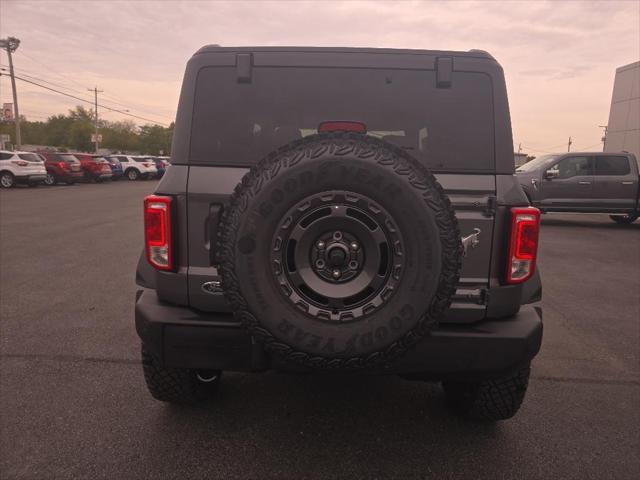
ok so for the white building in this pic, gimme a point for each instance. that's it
(623, 129)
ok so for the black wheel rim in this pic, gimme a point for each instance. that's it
(337, 256)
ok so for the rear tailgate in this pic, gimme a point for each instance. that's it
(471, 195)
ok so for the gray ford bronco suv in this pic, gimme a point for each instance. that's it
(342, 210)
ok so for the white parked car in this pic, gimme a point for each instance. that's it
(21, 167)
(134, 167)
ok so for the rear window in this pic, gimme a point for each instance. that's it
(29, 157)
(612, 166)
(65, 158)
(237, 124)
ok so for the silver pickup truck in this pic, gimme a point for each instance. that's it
(584, 182)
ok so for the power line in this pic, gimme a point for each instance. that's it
(586, 149)
(117, 100)
(25, 73)
(55, 72)
(544, 149)
(42, 80)
(90, 102)
(60, 75)
(536, 150)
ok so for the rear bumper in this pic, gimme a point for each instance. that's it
(181, 337)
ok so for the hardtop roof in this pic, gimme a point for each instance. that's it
(213, 48)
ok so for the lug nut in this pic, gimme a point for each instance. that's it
(320, 244)
(353, 265)
(336, 274)
(320, 263)
(354, 246)
(337, 235)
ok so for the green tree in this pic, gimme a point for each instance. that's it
(155, 139)
(121, 135)
(73, 132)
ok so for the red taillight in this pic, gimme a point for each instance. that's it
(62, 165)
(342, 127)
(157, 232)
(523, 244)
(20, 163)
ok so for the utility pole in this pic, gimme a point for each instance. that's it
(569, 145)
(604, 136)
(11, 44)
(95, 92)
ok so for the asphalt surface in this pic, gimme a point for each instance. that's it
(73, 402)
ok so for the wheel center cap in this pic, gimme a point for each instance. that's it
(337, 256)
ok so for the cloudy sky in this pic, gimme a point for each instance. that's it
(559, 57)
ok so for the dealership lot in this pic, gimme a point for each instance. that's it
(73, 403)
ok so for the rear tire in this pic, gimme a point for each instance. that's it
(490, 400)
(178, 385)
(132, 174)
(624, 219)
(50, 179)
(7, 180)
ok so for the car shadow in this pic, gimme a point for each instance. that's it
(375, 424)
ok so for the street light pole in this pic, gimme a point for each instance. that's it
(11, 44)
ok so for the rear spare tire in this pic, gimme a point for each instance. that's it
(340, 251)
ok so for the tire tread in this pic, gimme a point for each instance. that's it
(490, 400)
(397, 161)
(172, 385)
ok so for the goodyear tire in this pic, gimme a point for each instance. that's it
(490, 400)
(339, 251)
(178, 385)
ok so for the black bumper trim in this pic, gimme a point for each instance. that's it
(181, 337)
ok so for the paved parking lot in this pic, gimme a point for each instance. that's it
(73, 403)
